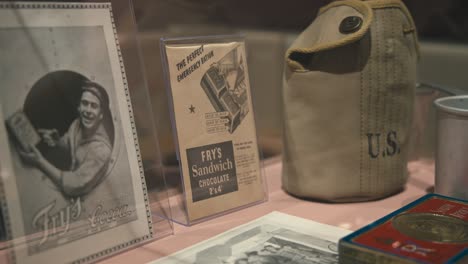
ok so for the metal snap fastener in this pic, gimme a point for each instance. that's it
(350, 24)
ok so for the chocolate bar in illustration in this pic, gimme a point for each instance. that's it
(19, 125)
(225, 87)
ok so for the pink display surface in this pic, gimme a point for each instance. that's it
(347, 215)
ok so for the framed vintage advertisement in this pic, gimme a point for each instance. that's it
(214, 124)
(77, 190)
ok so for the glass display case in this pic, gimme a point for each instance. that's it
(269, 27)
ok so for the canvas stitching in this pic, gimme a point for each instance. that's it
(362, 134)
(378, 102)
(392, 109)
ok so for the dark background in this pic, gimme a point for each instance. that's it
(435, 19)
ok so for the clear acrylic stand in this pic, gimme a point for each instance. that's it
(219, 162)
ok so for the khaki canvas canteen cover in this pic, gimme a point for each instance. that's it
(348, 99)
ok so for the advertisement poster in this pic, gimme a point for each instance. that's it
(215, 126)
(275, 238)
(77, 180)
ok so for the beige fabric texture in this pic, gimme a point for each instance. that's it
(348, 101)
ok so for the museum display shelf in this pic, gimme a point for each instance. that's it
(350, 216)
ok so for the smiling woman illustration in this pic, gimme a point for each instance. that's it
(86, 140)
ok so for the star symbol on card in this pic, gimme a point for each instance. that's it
(192, 109)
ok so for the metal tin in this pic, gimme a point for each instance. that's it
(432, 229)
(452, 146)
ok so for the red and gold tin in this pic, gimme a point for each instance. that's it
(432, 229)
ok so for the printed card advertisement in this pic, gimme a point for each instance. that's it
(76, 190)
(275, 238)
(214, 122)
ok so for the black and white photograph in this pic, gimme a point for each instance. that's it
(77, 178)
(276, 238)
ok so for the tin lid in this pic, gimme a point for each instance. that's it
(457, 105)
